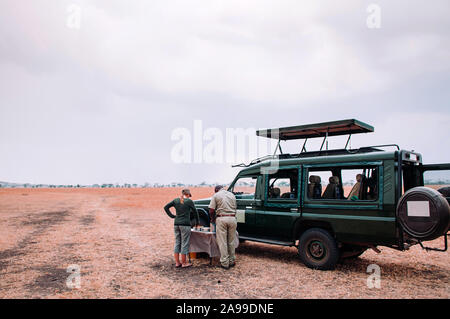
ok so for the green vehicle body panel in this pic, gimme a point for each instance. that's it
(368, 222)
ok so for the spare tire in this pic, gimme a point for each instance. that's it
(423, 213)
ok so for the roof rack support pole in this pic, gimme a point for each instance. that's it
(348, 140)
(304, 146)
(323, 142)
(278, 147)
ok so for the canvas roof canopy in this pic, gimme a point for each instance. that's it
(334, 128)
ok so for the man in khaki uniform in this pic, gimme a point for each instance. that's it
(222, 209)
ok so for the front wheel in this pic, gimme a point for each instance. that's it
(318, 249)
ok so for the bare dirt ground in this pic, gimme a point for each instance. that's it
(122, 241)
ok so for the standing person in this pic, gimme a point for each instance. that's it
(182, 225)
(222, 209)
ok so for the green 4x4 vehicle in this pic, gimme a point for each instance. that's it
(336, 204)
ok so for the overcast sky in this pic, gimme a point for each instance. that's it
(92, 91)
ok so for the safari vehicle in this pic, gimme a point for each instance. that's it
(336, 204)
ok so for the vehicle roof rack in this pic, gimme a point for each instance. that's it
(324, 129)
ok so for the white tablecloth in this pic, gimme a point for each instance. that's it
(205, 242)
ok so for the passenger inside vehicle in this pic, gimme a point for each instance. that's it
(314, 187)
(333, 190)
(274, 192)
(357, 190)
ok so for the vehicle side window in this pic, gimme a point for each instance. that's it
(245, 185)
(283, 185)
(315, 185)
(360, 184)
(350, 184)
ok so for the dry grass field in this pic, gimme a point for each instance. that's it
(122, 241)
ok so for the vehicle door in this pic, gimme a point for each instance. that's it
(281, 204)
(248, 199)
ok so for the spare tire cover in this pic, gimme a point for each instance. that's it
(423, 213)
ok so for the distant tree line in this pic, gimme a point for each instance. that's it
(437, 182)
(105, 185)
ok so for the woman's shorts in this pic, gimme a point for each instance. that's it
(182, 237)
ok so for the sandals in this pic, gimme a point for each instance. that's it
(186, 265)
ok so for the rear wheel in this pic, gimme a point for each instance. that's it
(318, 250)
